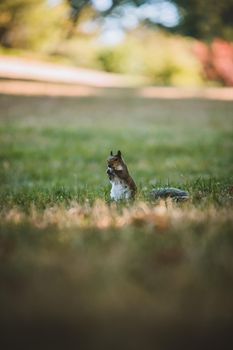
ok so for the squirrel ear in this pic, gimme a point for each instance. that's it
(119, 154)
(111, 154)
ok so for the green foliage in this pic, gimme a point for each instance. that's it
(199, 19)
(169, 60)
(161, 58)
(164, 59)
(110, 60)
(206, 19)
(28, 24)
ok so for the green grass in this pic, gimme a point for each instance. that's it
(55, 150)
(127, 276)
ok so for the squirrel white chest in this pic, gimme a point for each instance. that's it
(119, 190)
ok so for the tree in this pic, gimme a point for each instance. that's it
(26, 23)
(202, 19)
(12, 13)
(205, 19)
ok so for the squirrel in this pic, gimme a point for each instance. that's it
(124, 187)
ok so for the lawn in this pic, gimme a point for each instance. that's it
(76, 267)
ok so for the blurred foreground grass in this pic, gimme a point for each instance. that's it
(76, 269)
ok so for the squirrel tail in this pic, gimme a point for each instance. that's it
(169, 192)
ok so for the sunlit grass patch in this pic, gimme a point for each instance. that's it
(100, 215)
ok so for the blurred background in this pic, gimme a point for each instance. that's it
(152, 42)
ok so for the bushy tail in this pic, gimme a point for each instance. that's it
(169, 192)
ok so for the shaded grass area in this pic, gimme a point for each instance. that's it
(76, 269)
(163, 280)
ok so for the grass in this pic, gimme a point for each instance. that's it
(78, 269)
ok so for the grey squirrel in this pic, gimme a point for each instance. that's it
(124, 187)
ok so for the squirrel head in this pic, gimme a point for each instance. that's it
(115, 161)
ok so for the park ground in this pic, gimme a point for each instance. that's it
(78, 269)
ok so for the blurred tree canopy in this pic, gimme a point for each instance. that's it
(206, 19)
(27, 23)
(57, 28)
(197, 18)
